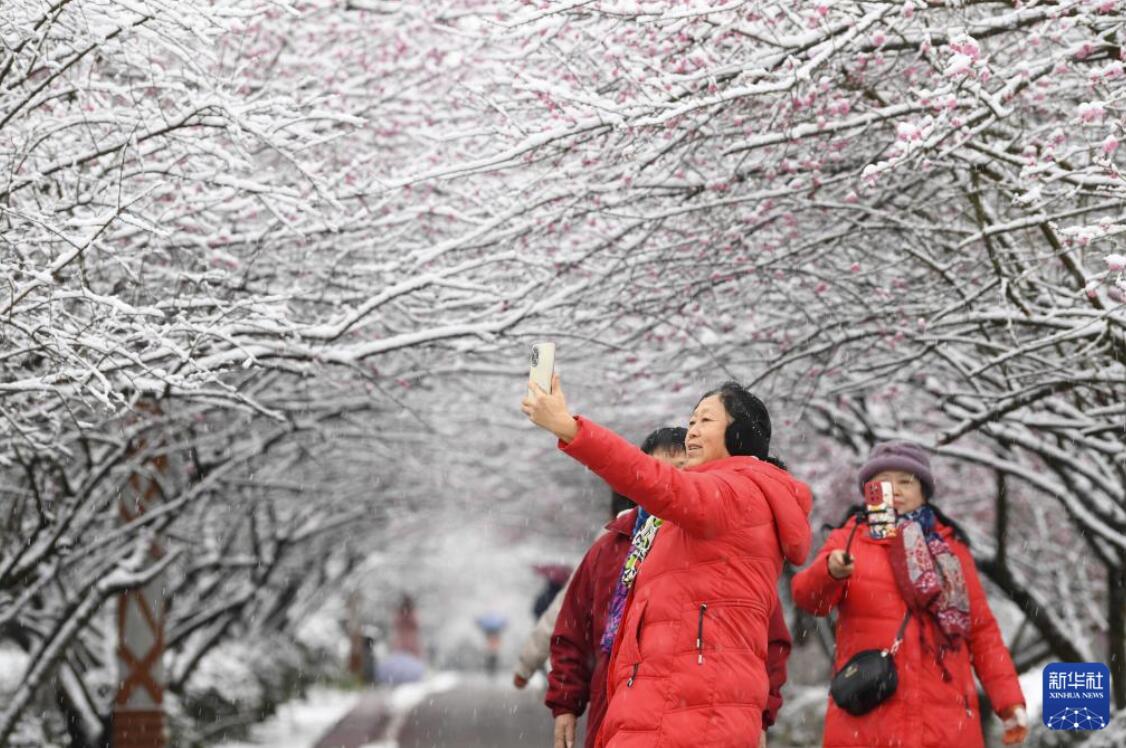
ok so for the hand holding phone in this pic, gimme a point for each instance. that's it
(542, 366)
(545, 404)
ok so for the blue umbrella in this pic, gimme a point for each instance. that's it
(400, 667)
(492, 623)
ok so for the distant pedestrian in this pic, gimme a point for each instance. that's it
(406, 634)
(370, 660)
(555, 578)
(492, 625)
(534, 653)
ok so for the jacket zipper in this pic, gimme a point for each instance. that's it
(633, 675)
(966, 701)
(700, 635)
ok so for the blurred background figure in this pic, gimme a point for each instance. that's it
(533, 654)
(354, 630)
(373, 641)
(537, 647)
(407, 638)
(492, 625)
(404, 663)
(555, 578)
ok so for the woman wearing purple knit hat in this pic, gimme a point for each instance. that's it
(913, 622)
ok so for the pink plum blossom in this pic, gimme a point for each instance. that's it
(1092, 111)
(959, 65)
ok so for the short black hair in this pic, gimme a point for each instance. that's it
(619, 503)
(669, 438)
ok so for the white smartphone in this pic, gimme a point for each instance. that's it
(542, 365)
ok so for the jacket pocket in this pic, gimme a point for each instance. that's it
(629, 651)
(729, 624)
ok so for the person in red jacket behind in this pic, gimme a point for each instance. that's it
(578, 663)
(688, 665)
(950, 634)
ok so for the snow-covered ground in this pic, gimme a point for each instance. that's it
(406, 697)
(299, 723)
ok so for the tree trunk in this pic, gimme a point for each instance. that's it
(1116, 635)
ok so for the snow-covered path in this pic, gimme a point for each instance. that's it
(479, 713)
(301, 722)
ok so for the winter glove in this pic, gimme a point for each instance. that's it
(1015, 723)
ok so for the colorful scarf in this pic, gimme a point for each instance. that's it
(930, 577)
(644, 532)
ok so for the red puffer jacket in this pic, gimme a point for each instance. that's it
(926, 710)
(578, 664)
(689, 661)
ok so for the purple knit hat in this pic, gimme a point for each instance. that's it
(905, 456)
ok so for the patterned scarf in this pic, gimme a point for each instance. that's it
(644, 532)
(930, 577)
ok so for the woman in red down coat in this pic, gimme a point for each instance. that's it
(577, 680)
(950, 635)
(688, 664)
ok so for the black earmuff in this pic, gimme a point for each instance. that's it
(739, 438)
(748, 434)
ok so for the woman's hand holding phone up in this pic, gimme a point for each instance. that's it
(548, 410)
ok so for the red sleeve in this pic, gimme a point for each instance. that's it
(572, 645)
(705, 504)
(778, 648)
(814, 589)
(991, 659)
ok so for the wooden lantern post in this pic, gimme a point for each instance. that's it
(138, 708)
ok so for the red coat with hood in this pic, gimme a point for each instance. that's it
(926, 711)
(689, 661)
(578, 664)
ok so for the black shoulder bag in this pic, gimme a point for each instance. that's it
(869, 677)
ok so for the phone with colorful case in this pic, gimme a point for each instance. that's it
(879, 509)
